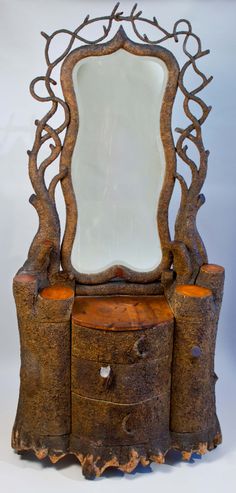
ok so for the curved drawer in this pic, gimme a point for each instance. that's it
(121, 383)
(122, 347)
(112, 423)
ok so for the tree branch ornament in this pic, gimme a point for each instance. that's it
(191, 200)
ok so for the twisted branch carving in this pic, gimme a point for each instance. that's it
(44, 198)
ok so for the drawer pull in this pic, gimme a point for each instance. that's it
(140, 348)
(125, 426)
(196, 352)
(105, 371)
(107, 374)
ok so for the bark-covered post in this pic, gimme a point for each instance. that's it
(43, 416)
(194, 424)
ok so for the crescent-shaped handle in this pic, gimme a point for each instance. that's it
(125, 425)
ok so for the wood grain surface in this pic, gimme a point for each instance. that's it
(121, 312)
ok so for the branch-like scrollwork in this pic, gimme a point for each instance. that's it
(44, 197)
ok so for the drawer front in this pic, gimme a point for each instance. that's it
(126, 347)
(121, 383)
(112, 423)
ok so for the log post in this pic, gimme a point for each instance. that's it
(212, 276)
(194, 424)
(43, 416)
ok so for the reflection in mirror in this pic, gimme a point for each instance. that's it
(118, 163)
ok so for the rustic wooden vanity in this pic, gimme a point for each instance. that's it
(117, 319)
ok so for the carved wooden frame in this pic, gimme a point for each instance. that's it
(119, 41)
(187, 251)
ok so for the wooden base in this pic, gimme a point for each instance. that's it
(117, 380)
(95, 458)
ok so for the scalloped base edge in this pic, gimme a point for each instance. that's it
(125, 458)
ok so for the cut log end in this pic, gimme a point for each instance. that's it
(193, 291)
(25, 278)
(212, 269)
(57, 292)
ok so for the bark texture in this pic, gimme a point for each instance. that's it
(117, 380)
(43, 415)
(194, 423)
(121, 378)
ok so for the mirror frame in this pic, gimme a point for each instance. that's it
(120, 41)
(184, 253)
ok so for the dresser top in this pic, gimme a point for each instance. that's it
(121, 312)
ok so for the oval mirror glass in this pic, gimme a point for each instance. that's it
(118, 162)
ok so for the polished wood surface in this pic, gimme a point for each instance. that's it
(57, 292)
(193, 291)
(212, 268)
(121, 312)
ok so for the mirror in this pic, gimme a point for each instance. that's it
(118, 162)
